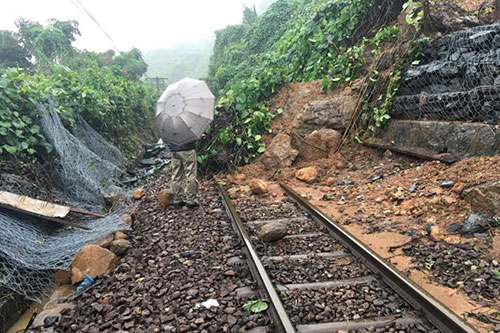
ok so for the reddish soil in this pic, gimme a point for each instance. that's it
(379, 208)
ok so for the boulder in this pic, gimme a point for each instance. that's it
(93, 260)
(484, 198)
(319, 144)
(271, 232)
(120, 246)
(63, 276)
(120, 235)
(104, 241)
(308, 175)
(258, 186)
(279, 153)
(166, 197)
(333, 114)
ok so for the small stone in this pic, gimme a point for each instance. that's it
(139, 193)
(231, 320)
(230, 310)
(325, 189)
(307, 175)
(258, 186)
(199, 321)
(230, 273)
(388, 154)
(437, 233)
(127, 219)
(120, 235)
(105, 241)
(330, 181)
(448, 184)
(240, 177)
(166, 197)
(120, 246)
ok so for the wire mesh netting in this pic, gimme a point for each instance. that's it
(31, 250)
(83, 177)
(97, 144)
(460, 79)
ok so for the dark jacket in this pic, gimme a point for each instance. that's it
(188, 146)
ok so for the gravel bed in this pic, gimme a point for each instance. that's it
(259, 210)
(458, 266)
(294, 227)
(290, 246)
(315, 270)
(342, 303)
(159, 285)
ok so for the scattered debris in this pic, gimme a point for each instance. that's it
(210, 302)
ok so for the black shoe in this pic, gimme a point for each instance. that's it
(179, 204)
(192, 205)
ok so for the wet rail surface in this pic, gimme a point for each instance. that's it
(319, 278)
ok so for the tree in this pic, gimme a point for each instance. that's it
(249, 15)
(131, 64)
(12, 54)
(69, 28)
(27, 32)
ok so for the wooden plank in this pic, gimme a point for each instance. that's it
(33, 205)
(86, 212)
(43, 217)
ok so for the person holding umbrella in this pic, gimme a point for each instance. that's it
(183, 113)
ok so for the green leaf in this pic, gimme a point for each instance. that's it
(10, 149)
(279, 111)
(256, 306)
(238, 141)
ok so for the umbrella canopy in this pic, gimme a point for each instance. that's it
(184, 111)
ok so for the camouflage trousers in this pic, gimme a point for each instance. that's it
(184, 183)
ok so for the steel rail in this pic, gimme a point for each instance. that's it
(434, 311)
(259, 273)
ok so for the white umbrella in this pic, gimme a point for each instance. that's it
(184, 111)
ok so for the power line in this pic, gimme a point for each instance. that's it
(79, 5)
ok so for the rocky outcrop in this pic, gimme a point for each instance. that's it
(334, 114)
(319, 144)
(484, 198)
(93, 260)
(258, 186)
(279, 154)
(271, 232)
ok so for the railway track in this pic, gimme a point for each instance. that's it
(319, 278)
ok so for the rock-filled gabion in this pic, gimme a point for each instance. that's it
(459, 82)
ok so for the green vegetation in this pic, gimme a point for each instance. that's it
(291, 41)
(103, 88)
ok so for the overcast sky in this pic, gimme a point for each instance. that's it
(145, 24)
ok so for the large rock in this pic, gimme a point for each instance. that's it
(271, 232)
(461, 139)
(93, 260)
(279, 153)
(139, 193)
(104, 241)
(319, 144)
(484, 198)
(334, 114)
(258, 186)
(308, 175)
(120, 246)
(166, 197)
